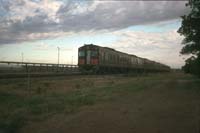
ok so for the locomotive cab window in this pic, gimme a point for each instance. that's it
(81, 53)
(94, 53)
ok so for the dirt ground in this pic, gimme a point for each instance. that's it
(171, 106)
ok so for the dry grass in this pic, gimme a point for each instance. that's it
(21, 105)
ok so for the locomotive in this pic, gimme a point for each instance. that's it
(97, 59)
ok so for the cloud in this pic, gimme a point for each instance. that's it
(120, 14)
(20, 19)
(162, 47)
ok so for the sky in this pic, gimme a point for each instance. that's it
(36, 28)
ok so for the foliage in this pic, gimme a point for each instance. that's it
(192, 65)
(191, 30)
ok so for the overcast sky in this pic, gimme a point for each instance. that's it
(37, 27)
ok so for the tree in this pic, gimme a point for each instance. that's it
(192, 66)
(190, 29)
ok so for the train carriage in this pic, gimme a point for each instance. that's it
(96, 59)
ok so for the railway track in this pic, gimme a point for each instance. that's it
(27, 70)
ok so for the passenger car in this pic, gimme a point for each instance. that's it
(97, 59)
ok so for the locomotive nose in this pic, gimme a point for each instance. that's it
(88, 57)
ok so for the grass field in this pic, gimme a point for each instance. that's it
(157, 103)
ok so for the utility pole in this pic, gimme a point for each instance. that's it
(58, 59)
(72, 60)
(22, 54)
(58, 55)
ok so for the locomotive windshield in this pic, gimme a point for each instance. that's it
(81, 53)
(94, 54)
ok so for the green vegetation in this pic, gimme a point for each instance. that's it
(48, 97)
(191, 30)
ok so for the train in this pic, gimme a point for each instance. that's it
(96, 59)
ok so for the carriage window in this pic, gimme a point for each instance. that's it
(81, 53)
